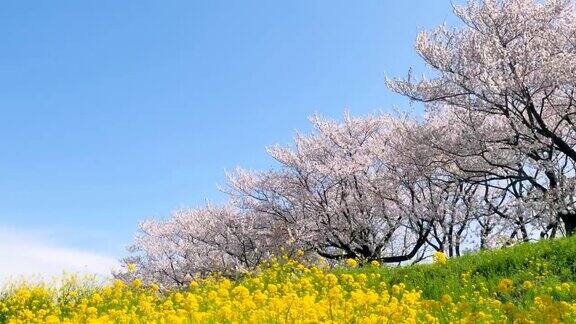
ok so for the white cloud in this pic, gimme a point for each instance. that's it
(30, 254)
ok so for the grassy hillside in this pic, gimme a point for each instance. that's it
(545, 263)
(526, 283)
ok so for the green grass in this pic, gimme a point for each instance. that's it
(545, 263)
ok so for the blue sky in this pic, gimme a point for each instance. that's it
(117, 111)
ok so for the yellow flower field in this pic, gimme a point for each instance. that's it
(287, 291)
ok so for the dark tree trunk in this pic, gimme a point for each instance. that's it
(569, 220)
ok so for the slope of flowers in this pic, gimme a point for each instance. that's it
(290, 291)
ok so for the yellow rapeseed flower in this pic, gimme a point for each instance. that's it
(332, 279)
(137, 283)
(505, 285)
(286, 292)
(351, 263)
(131, 267)
(446, 299)
(439, 257)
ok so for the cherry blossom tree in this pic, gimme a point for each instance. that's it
(508, 73)
(492, 174)
(195, 243)
(453, 205)
(361, 189)
(330, 192)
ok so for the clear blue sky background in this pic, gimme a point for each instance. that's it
(116, 111)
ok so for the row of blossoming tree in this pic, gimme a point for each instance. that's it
(491, 163)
